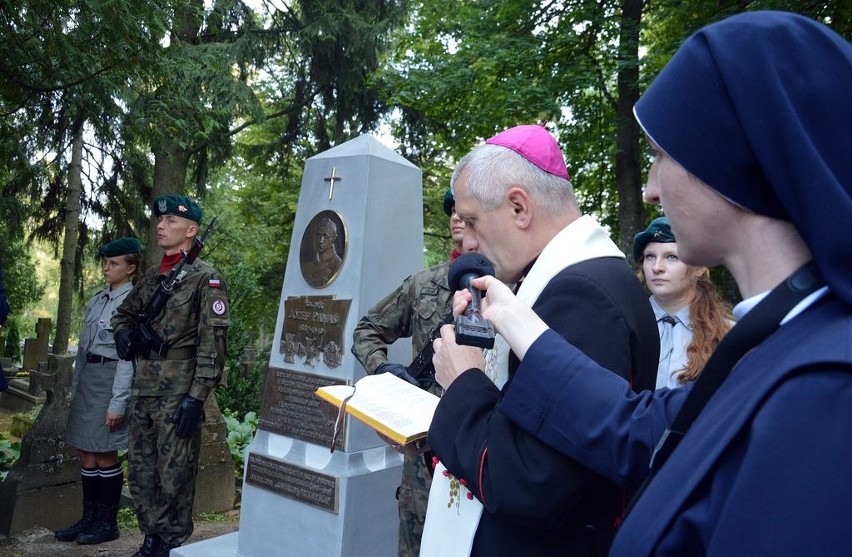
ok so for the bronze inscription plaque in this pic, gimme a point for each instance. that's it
(291, 408)
(296, 482)
(313, 330)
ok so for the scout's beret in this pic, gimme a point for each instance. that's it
(658, 231)
(449, 202)
(122, 246)
(534, 143)
(179, 205)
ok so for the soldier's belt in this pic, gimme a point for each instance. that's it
(174, 354)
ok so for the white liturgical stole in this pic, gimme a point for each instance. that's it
(453, 514)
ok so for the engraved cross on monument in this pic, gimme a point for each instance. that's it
(330, 180)
(349, 248)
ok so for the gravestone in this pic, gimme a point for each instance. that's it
(42, 337)
(24, 394)
(214, 490)
(9, 367)
(358, 233)
(43, 487)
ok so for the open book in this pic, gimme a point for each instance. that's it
(388, 404)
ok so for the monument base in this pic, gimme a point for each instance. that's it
(313, 502)
(220, 546)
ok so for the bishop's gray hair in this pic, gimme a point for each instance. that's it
(492, 169)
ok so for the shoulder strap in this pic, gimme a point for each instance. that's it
(750, 331)
(753, 329)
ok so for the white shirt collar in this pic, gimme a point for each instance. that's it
(742, 308)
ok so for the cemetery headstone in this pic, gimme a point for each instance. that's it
(25, 393)
(43, 487)
(214, 491)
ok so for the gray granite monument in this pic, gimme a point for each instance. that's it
(358, 233)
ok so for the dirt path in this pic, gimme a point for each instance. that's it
(39, 542)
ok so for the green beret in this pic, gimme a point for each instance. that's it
(449, 202)
(179, 205)
(122, 246)
(658, 231)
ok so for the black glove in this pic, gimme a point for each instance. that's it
(399, 370)
(188, 416)
(123, 346)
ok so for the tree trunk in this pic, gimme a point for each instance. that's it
(69, 244)
(628, 177)
(171, 161)
(170, 167)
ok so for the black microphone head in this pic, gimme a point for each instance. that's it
(468, 263)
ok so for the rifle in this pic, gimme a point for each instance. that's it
(143, 338)
(422, 368)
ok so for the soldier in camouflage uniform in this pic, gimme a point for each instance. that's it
(413, 310)
(168, 393)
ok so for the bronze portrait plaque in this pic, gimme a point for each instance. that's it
(323, 249)
(313, 330)
(296, 482)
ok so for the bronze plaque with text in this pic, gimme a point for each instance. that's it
(313, 330)
(291, 408)
(296, 482)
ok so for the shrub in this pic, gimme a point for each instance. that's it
(12, 349)
(242, 394)
(9, 453)
(240, 435)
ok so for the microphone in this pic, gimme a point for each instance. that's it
(471, 328)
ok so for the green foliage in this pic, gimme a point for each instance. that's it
(213, 517)
(127, 519)
(242, 392)
(465, 69)
(9, 453)
(12, 345)
(240, 435)
(670, 22)
(23, 288)
(253, 210)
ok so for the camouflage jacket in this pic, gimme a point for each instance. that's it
(412, 310)
(194, 323)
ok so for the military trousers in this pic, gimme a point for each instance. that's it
(161, 468)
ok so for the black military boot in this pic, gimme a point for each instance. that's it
(105, 528)
(165, 549)
(90, 514)
(149, 547)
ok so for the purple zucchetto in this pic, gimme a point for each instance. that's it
(534, 143)
(757, 106)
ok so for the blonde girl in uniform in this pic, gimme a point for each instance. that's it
(99, 395)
